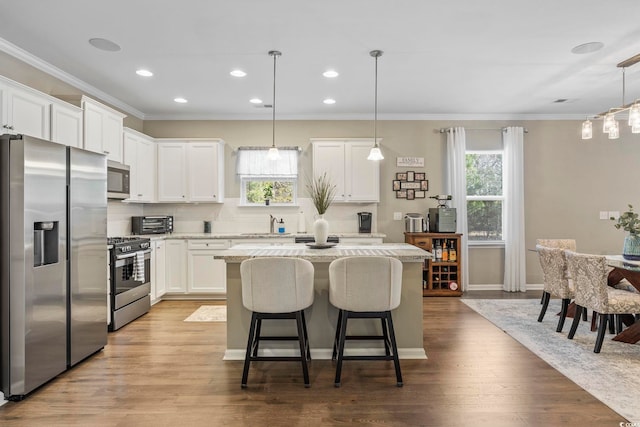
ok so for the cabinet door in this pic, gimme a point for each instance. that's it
(93, 128)
(362, 176)
(66, 125)
(159, 268)
(202, 158)
(172, 185)
(175, 269)
(112, 137)
(28, 113)
(329, 157)
(130, 149)
(206, 275)
(146, 171)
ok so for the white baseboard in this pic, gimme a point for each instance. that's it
(325, 353)
(500, 286)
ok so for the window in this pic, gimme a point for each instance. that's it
(484, 195)
(262, 179)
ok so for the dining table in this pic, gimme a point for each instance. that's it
(630, 270)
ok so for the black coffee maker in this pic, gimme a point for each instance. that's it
(364, 222)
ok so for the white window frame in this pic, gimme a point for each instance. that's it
(488, 243)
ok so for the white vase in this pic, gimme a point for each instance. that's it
(321, 230)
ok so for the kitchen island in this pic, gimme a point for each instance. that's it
(322, 316)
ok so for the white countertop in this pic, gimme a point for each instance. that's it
(256, 235)
(403, 251)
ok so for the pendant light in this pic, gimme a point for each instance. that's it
(375, 153)
(273, 153)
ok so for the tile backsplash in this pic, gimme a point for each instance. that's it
(231, 218)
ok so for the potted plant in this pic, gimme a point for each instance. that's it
(322, 192)
(629, 222)
(267, 192)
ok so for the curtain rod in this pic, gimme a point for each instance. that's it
(444, 130)
(261, 147)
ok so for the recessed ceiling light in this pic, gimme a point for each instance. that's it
(587, 47)
(331, 74)
(144, 73)
(104, 44)
(329, 101)
(180, 100)
(255, 101)
(238, 73)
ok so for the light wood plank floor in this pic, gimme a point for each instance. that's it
(162, 371)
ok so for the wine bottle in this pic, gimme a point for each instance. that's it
(445, 251)
(453, 255)
(438, 251)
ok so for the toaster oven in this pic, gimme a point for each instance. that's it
(160, 224)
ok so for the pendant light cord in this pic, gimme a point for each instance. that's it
(375, 114)
(273, 107)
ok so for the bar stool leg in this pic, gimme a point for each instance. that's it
(396, 360)
(306, 336)
(247, 357)
(341, 340)
(303, 348)
(335, 341)
(385, 337)
(257, 337)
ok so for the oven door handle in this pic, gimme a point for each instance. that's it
(132, 254)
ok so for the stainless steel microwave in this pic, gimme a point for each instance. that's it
(117, 180)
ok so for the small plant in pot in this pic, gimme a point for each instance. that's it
(629, 222)
(322, 192)
(267, 192)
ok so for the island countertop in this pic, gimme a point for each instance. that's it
(402, 251)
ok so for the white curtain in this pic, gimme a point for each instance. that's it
(253, 161)
(513, 215)
(456, 186)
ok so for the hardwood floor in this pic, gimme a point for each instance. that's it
(162, 371)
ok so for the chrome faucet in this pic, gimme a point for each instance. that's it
(272, 221)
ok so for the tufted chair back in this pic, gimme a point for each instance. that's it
(365, 283)
(589, 274)
(276, 284)
(554, 266)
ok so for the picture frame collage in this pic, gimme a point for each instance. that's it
(410, 185)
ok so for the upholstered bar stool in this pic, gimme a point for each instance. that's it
(365, 287)
(276, 288)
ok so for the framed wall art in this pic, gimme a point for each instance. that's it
(410, 185)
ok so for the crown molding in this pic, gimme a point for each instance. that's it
(34, 61)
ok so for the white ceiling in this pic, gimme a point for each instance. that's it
(450, 59)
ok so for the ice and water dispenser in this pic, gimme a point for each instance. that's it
(45, 243)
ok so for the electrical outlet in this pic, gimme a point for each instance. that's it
(604, 215)
(397, 216)
(614, 214)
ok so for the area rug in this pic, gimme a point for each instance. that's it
(209, 313)
(612, 376)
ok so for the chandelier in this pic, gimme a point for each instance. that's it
(610, 124)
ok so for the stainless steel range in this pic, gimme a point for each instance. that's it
(130, 284)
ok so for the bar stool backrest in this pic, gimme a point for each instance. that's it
(364, 284)
(276, 284)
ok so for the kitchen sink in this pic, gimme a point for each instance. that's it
(265, 234)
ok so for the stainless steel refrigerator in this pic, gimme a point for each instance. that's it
(53, 260)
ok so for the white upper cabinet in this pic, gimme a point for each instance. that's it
(103, 129)
(24, 111)
(345, 162)
(190, 170)
(66, 124)
(139, 154)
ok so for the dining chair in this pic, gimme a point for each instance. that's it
(569, 244)
(589, 273)
(556, 283)
(365, 288)
(276, 288)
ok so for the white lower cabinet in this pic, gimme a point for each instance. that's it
(176, 266)
(206, 274)
(158, 269)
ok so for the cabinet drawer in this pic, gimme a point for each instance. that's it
(422, 243)
(203, 244)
